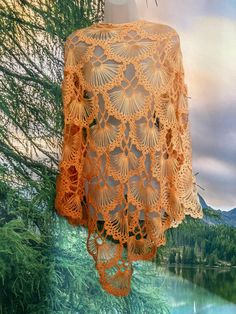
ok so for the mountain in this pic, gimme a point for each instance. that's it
(216, 216)
(202, 201)
(229, 217)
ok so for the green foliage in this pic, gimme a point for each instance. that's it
(188, 256)
(21, 267)
(211, 260)
(172, 257)
(211, 213)
(44, 264)
(178, 259)
(58, 276)
(197, 242)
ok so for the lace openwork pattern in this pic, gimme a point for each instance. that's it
(126, 167)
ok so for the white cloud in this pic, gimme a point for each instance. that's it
(213, 166)
(209, 50)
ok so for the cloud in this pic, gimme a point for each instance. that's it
(214, 134)
(214, 155)
(209, 49)
(207, 33)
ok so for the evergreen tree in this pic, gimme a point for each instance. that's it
(233, 261)
(212, 260)
(184, 256)
(172, 257)
(41, 254)
(203, 248)
(205, 239)
(196, 249)
(178, 258)
(192, 257)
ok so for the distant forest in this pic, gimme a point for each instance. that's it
(194, 242)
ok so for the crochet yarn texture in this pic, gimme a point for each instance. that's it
(126, 167)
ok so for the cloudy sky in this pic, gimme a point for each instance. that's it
(207, 31)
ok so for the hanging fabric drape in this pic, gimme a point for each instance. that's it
(126, 167)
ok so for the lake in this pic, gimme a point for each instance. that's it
(195, 290)
(154, 289)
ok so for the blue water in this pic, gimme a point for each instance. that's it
(185, 297)
(154, 290)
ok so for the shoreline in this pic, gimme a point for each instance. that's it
(195, 266)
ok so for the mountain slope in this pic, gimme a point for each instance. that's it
(216, 216)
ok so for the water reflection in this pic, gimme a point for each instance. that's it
(187, 296)
(220, 281)
(155, 290)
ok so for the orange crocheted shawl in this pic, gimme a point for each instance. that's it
(126, 166)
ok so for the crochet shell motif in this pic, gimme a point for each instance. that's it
(126, 167)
